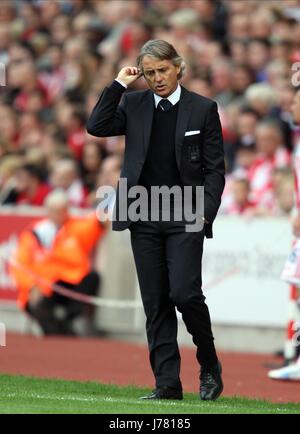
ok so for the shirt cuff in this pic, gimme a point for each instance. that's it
(121, 83)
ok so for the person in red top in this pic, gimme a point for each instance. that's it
(28, 82)
(76, 133)
(30, 187)
(56, 250)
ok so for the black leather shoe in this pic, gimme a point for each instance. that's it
(164, 393)
(211, 384)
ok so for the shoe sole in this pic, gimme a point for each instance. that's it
(160, 399)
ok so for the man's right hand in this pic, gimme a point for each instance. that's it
(129, 74)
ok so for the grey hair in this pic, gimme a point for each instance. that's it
(262, 92)
(57, 197)
(161, 50)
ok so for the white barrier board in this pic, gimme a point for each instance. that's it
(241, 271)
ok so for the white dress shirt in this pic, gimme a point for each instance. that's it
(173, 98)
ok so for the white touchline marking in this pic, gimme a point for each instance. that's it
(130, 401)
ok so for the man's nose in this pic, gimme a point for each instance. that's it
(158, 77)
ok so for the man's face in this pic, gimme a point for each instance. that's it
(63, 178)
(240, 192)
(246, 124)
(161, 75)
(296, 108)
(268, 140)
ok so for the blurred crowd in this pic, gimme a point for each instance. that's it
(59, 55)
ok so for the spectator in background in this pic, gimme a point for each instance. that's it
(71, 121)
(8, 127)
(60, 55)
(246, 127)
(110, 171)
(284, 188)
(76, 133)
(53, 73)
(244, 159)
(91, 164)
(56, 250)
(65, 176)
(262, 99)
(242, 78)
(109, 175)
(9, 165)
(258, 56)
(221, 76)
(27, 83)
(271, 155)
(29, 187)
(240, 139)
(240, 204)
(31, 131)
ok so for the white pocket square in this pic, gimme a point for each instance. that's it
(192, 133)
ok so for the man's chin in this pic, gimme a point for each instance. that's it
(164, 93)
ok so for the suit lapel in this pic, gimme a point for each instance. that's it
(147, 110)
(184, 113)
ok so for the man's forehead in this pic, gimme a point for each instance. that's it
(152, 62)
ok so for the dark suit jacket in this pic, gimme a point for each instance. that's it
(133, 118)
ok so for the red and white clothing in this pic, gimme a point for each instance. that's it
(228, 204)
(76, 141)
(260, 177)
(37, 199)
(77, 194)
(234, 209)
(296, 161)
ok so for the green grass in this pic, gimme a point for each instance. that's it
(32, 395)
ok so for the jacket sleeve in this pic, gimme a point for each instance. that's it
(108, 117)
(213, 164)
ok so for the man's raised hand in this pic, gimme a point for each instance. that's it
(129, 74)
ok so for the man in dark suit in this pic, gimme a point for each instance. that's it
(173, 138)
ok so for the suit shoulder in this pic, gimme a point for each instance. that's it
(136, 94)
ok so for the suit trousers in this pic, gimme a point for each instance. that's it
(168, 262)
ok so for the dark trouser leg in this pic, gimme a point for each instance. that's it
(89, 286)
(43, 313)
(161, 325)
(184, 255)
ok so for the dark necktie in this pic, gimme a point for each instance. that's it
(165, 105)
